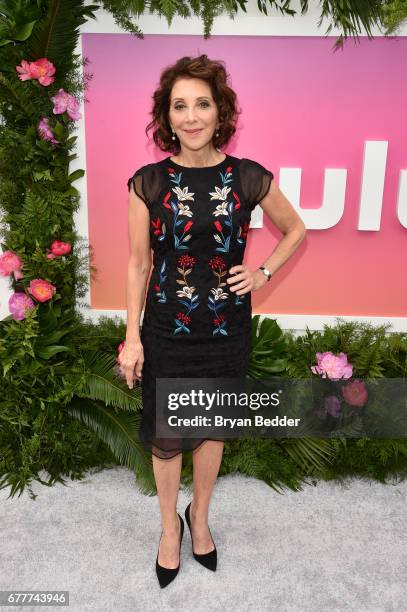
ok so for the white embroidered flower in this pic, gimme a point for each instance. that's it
(186, 292)
(221, 209)
(183, 194)
(185, 210)
(219, 294)
(220, 194)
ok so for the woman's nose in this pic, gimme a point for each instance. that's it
(191, 114)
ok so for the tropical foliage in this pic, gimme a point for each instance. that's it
(63, 406)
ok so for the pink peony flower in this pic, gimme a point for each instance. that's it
(40, 70)
(355, 393)
(332, 405)
(60, 248)
(332, 366)
(24, 71)
(63, 101)
(19, 304)
(41, 289)
(45, 131)
(10, 263)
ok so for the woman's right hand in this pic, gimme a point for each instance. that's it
(131, 359)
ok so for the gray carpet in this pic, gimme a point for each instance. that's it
(329, 547)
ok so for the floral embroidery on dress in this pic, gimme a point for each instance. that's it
(159, 230)
(185, 262)
(190, 301)
(160, 293)
(214, 301)
(179, 209)
(225, 208)
(242, 233)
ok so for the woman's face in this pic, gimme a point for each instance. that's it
(193, 108)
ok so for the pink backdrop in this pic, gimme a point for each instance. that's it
(303, 106)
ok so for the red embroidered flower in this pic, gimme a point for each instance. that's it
(157, 225)
(157, 288)
(186, 260)
(217, 262)
(165, 202)
(183, 317)
(218, 225)
(188, 226)
(229, 168)
(219, 320)
(237, 205)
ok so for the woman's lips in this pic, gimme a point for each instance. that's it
(193, 131)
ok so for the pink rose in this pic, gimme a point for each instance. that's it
(45, 132)
(63, 101)
(60, 248)
(332, 366)
(10, 263)
(19, 304)
(355, 393)
(41, 289)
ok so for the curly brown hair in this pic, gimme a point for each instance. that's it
(214, 73)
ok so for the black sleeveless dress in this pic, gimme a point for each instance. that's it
(194, 326)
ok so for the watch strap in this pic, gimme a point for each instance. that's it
(266, 272)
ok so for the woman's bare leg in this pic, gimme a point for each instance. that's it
(167, 473)
(206, 463)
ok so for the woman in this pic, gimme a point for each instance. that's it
(193, 209)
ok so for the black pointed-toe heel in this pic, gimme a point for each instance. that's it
(166, 575)
(208, 560)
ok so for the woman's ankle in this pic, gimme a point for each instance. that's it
(171, 525)
(198, 514)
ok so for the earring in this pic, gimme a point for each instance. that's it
(217, 134)
(173, 135)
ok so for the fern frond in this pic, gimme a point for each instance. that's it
(19, 94)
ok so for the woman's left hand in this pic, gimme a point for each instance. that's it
(243, 280)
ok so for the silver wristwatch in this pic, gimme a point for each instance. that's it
(266, 272)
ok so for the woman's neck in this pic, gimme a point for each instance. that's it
(198, 159)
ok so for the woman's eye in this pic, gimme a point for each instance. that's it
(179, 106)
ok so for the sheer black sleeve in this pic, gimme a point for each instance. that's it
(255, 180)
(146, 182)
(135, 183)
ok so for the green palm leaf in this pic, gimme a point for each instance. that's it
(101, 383)
(119, 430)
(268, 349)
(309, 453)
